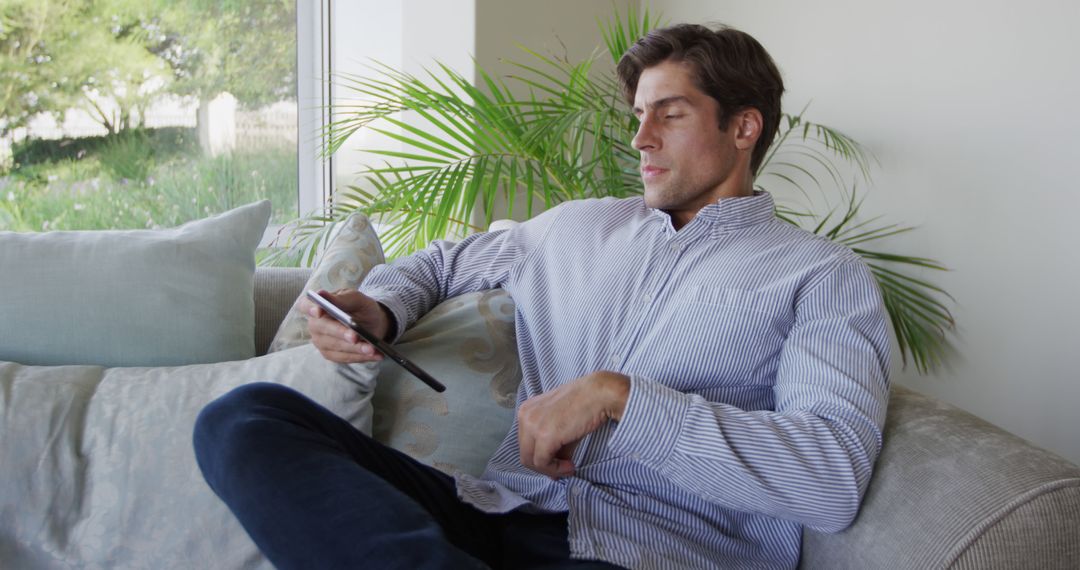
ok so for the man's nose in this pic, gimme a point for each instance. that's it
(646, 138)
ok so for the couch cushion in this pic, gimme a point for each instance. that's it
(132, 298)
(98, 465)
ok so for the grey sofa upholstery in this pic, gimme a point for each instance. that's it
(949, 490)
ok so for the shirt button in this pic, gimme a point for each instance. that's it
(614, 360)
(674, 247)
(635, 456)
(644, 298)
(575, 491)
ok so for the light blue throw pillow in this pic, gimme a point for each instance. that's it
(132, 298)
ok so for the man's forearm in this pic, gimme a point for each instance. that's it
(794, 465)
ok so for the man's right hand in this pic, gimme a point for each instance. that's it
(337, 342)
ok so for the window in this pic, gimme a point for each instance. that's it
(121, 114)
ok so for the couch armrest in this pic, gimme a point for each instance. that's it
(953, 491)
(276, 288)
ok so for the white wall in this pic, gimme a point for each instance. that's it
(553, 27)
(409, 36)
(971, 108)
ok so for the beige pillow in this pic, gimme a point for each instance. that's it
(466, 342)
(344, 264)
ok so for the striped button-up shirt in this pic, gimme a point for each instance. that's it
(757, 353)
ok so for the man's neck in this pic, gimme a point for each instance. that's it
(680, 218)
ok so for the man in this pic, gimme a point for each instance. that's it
(700, 379)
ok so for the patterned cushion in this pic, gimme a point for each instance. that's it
(468, 344)
(343, 265)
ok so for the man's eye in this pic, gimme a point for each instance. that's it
(672, 116)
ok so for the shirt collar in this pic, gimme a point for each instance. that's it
(735, 213)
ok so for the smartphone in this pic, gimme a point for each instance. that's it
(379, 344)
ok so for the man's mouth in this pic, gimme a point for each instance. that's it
(649, 171)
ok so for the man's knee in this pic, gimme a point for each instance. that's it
(228, 425)
(240, 406)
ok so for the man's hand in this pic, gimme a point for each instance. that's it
(551, 425)
(337, 342)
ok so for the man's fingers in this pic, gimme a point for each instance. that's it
(308, 308)
(367, 312)
(563, 468)
(338, 349)
(525, 446)
(543, 462)
(348, 300)
(335, 343)
(540, 439)
(567, 451)
(546, 459)
(350, 357)
(564, 460)
(329, 327)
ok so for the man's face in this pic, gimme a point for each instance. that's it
(687, 161)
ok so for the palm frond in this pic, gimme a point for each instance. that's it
(620, 32)
(921, 320)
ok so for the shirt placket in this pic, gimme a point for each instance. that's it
(663, 259)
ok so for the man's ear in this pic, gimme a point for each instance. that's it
(747, 123)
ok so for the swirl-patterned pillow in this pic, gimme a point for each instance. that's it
(467, 342)
(343, 265)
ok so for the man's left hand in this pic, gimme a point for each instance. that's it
(551, 425)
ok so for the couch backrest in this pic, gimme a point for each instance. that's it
(276, 289)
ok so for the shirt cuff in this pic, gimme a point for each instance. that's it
(651, 422)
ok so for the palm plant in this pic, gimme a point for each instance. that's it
(469, 153)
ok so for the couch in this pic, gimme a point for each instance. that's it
(949, 491)
(98, 473)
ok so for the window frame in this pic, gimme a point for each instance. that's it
(314, 66)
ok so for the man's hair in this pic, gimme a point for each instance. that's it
(727, 64)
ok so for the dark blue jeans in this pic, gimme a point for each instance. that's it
(315, 492)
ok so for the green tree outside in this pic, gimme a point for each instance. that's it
(63, 54)
(114, 59)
